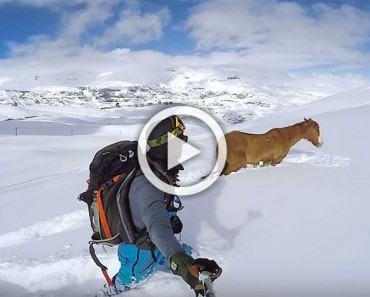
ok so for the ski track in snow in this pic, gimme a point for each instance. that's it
(38, 179)
(48, 275)
(156, 283)
(319, 159)
(42, 229)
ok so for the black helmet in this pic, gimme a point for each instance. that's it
(158, 137)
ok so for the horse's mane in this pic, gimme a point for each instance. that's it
(309, 121)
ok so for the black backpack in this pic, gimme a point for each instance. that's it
(111, 172)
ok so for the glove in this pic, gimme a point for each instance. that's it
(208, 267)
(189, 269)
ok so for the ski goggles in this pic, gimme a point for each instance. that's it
(177, 132)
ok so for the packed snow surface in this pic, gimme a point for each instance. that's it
(298, 229)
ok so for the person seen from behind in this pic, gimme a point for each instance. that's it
(154, 214)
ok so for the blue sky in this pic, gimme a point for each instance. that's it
(18, 22)
(302, 36)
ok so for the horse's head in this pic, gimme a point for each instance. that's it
(312, 132)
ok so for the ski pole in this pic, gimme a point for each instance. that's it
(207, 283)
(98, 263)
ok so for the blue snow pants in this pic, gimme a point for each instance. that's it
(137, 264)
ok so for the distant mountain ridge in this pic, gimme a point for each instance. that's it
(231, 99)
(133, 96)
(221, 98)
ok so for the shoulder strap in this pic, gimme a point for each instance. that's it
(138, 172)
(122, 198)
(101, 211)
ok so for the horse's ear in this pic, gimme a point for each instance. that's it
(305, 119)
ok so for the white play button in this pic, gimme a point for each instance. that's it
(179, 151)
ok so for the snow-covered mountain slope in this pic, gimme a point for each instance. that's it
(297, 229)
(219, 98)
(230, 99)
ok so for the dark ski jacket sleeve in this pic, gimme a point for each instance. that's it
(149, 210)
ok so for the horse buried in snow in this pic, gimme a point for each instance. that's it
(269, 148)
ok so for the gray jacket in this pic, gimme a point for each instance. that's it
(149, 210)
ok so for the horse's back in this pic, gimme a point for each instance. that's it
(239, 143)
(235, 141)
(238, 139)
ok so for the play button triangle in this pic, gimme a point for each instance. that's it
(179, 151)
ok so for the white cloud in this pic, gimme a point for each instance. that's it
(260, 40)
(77, 23)
(104, 74)
(82, 66)
(282, 34)
(4, 80)
(71, 58)
(99, 24)
(72, 29)
(121, 50)
(135, 27)
(45, 3)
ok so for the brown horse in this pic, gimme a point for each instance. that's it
(269, 148)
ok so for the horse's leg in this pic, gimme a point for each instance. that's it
(227, 171)
(277, 161)
(230, 168)
(280, 158)
(238, 168)
(225, 168)
(274, 160)
(234, 165)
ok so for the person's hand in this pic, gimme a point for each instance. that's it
(204, 266)
(189, 269)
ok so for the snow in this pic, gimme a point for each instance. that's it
(297, 229)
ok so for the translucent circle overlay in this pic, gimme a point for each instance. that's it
(221, 156)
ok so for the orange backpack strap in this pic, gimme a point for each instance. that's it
(102, 216)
